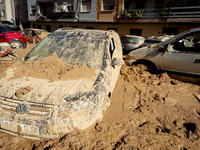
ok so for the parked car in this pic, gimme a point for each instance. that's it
(179, 56)
(131, 42)
(156, 39)
(54, 107)
(13, 36)
(35, 34)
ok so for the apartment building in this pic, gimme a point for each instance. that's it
(138, 17)
(148, 17)
(14, 12)
(53, 14)
(21, 13)
(7, 11)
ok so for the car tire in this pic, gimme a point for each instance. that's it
(147, 67)
(16, 44)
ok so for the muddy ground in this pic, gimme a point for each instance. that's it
(153, 112)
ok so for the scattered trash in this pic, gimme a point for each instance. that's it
(6, 52)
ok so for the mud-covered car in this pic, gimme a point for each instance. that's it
(12, 36)
(131, 42)
(35, 34)
(66, 82)
(179, 56)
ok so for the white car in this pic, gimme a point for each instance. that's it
(179, 56)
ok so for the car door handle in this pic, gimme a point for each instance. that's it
(197, 61)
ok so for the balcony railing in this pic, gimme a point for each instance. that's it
(60, 15)
(159, 13)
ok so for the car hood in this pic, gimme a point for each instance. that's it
(40, 90)
(144, 52)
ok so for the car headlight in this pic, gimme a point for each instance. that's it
(76, 105)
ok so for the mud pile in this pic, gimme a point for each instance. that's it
(146, 112)
(53, 69)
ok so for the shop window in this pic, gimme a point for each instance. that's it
(39, 26)
(89, 27)
(170, 30)
(86, 6)
(136, 32)
(60, 26)
(34, 25)
(108, 5)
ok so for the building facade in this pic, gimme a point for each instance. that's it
(7, 11)
(138, 17)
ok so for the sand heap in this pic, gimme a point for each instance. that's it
(51, 68)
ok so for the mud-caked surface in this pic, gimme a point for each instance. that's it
(146, 112)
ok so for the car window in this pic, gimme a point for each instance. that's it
(41, 32)
(123, 39)
(73, 48)
(27, 32)
(3, 29)
(188, 43)
(33, 33)
(112, 47)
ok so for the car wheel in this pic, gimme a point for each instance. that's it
(149, 68)
(16, 44)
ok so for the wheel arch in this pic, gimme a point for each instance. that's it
(17, 40)
(146, 62)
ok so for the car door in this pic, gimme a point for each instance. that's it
(27, 35)
(183, 55)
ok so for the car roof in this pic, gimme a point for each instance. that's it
(133, 36)
(5, 25)
(86, 30)
(35, 29)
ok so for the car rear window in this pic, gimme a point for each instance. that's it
(134, 40)
(4, 29)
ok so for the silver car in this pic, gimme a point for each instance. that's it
(179, 56)
(131, 42)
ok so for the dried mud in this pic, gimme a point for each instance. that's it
(146, 112)
(53, 69)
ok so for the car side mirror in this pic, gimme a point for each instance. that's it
(117, 61)
(162, 49)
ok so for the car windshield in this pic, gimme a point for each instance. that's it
(72, 47)
(41, 32)
(134, 40)
(171, 39)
